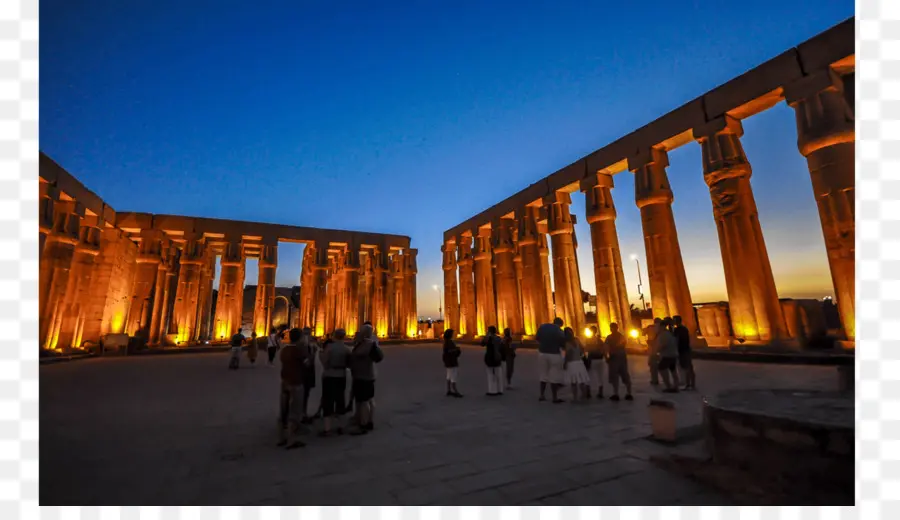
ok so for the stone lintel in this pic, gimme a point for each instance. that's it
(601, 178)
(648, 155)
(808, 86)
(558, 197)
(720, 124)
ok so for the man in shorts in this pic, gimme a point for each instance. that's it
(618, 362)
(551, 345)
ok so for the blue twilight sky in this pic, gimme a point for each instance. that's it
(410, 117)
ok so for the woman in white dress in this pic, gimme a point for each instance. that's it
(576, 373)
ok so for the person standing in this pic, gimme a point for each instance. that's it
(595, 361)
(311, 348)
(363, 357)
(237, 343)
(293, 359)
(252, 348)
(617, 359)
(685, 361)
(493, 361)
(668, 356)
(451, 353)
(576, 374)
(551, 345)
(653, 350)
(273, 343)
(335, 359)
(510, 351)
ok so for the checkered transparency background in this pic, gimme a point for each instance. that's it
(878, 305)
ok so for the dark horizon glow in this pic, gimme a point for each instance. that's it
(410, 118)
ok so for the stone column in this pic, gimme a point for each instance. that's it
(410, 269)
(164, 274)
(544, 252)
(509, 313)
(566, 279)
(55, 266)
(380, 298)
(205, 318)
(265, 288)
(79, 284)
(229, 302)
(371, 313)
(187, 296)
(49, 196)
(320, 288)
(485, 307)
(351, 274)
(535, 308)
(826, 136)
(396, 295)
(752, 298)
(467, 315)
(149, 252)
(669, 290)
(517, 267)
(451, 291)
(609, 278)
(306, 312)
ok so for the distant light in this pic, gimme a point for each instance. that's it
(588, 332)
(633, 256)
(434, 287)
(633, 333)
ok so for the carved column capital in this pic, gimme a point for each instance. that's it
(597, 189)
(559, 219)
(651, 184)
(502, 237)
(723, 154)
(464, 251)
(824, 118)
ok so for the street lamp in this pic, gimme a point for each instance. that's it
(440, 300)
(640, 282)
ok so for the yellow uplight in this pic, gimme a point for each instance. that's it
(633, 333)
(588, 332)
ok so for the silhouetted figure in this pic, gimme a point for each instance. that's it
(363, 357)
(551, 348)
(667, 347)
(311, 348)
(595, 361)
(576, 373)
(685, 361)
(273, 343)
(617, 359)
(451, 353)
(252, 348)
(509, 348)
(293, 359)
(493, 361)
(237, 341)
(335, 360)
(653, 350)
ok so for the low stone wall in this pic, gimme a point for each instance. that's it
(791, 439)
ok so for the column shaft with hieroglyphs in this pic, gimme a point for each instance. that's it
(56, 262)
(509, 311)
(752, 298)
(410, 270)
(669, 292)
(535, 308)
(826, 137)
(485, 308)
(566, 279)
(187, 295)
(609, 277)
(79, 285)
(229, 301)
(265, 287)
(467, 314)
(451, 288)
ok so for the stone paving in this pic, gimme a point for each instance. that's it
(184, 430)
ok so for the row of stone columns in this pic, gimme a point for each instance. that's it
(485, 293)
(342, 287)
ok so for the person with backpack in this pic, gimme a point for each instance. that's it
(451, 362)
(237, 342)
(363, 357)
(510, 355)
(493, 361)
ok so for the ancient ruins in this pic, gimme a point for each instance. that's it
(110, 275)
(496, 264)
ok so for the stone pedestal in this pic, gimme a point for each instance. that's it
(669, 292)
(752, 298)
(566, 279)
(826, 136)
(609, 277)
